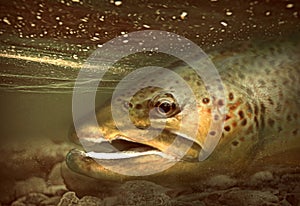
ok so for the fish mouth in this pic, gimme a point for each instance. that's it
(122, 147)
(122, 156)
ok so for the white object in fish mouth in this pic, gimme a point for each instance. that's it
(126, 155)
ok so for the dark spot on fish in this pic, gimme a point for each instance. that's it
(241, 114)
(244, 122)
(231, 96)
(242, 139)
(256, 121)
(295, 115)
(216, 117)
(205, 100)
(270, 101)
(129, 105)
(212, 133)
(221, 103)
(227, 128)
(289, 118)
(271, 122)
(227, 117)
(235, 143)
(138, 106)
(234, 124)
(262, 108)
(255, 109)
(250, 129)
(262, 117)
(295, 132)
(279, 129)
(187, 78)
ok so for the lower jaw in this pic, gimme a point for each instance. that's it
(119, 165)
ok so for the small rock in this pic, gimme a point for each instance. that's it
(51, 201)
(248, 198)
(68, 199)
(221, 182)
(56, 190)
(33, 184)
(91, 201)
(30, 199)
(260, 177)
(143, 193)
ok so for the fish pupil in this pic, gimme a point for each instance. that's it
(165, 107)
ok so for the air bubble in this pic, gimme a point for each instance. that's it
(267, 13)
(289, 6)
(183, 15)
(228, 13)
(118, 3)
(224, 23)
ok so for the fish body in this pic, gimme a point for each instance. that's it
(261, 84)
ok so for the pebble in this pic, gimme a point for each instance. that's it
(90, 201)
(248, 198)
(30, 199)
(33, 184)
(68, 199)
(260, 177)
(143, 193)
(221, 182)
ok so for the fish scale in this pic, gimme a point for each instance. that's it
(262, 88)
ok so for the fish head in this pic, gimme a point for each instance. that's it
(150, 124)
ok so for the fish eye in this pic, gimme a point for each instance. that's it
(165, 107)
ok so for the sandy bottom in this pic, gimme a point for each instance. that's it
(34, 173)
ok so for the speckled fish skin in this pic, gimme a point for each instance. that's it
(262, 88)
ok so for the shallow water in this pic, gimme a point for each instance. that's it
(44, 44)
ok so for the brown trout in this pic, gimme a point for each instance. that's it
(262, 87)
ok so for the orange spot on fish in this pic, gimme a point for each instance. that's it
(234, 124)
